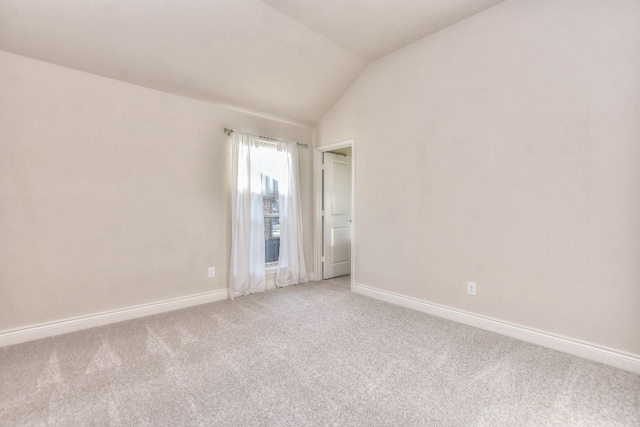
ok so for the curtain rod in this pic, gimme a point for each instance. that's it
(230, 131)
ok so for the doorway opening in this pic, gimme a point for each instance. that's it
(334, 177)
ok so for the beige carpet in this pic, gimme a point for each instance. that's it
(307, 355)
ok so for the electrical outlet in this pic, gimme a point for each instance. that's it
(212, 271)
(471, 288)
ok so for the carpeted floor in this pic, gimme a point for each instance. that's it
(315, 354)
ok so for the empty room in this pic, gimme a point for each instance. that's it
(311, 213)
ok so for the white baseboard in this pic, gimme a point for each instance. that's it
(618, 359)
(43, 330)
(270, 279)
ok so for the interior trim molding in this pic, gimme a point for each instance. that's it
(270, 278)
(618, 359)
(317, 208)
(49, 329)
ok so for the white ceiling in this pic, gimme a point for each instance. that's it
(287, 59)
(374, 28)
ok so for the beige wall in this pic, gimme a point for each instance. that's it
(112, 195)
(505, 150)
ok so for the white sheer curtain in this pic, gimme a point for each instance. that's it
(246, 272)
(292, 269)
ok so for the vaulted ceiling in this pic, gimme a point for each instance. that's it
(286, 59)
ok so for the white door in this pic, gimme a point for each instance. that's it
(337, 215)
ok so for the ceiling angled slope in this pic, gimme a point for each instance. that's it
(285, 59)
(238, 53)
(374, 28)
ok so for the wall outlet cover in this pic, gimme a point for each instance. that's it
(471, 288)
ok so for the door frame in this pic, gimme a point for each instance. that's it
(317, 190)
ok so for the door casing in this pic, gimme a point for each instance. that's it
(317, 178)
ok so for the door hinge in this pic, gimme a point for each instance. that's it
(322, 259)
(322, 212)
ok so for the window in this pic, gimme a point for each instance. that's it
(267, 212)
(272, 168)
(271, 211)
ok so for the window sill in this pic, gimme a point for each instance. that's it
(272, 266)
